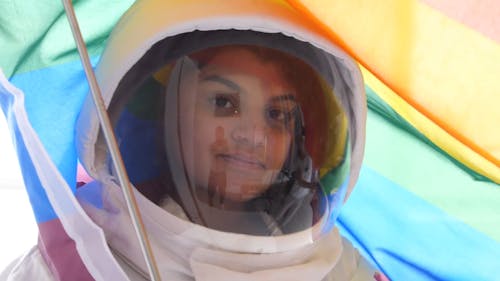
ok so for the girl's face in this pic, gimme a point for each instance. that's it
(236, 125)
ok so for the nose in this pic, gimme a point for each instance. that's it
(249, 134)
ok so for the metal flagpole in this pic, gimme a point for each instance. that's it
(112, 145)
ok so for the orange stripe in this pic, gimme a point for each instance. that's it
(442, 69)
(323, 28)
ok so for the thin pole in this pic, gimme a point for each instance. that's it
(112, 145)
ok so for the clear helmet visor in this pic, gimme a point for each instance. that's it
(240, 138)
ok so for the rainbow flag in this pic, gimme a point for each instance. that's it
(427, 205)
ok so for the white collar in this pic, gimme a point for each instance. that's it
(186, 251)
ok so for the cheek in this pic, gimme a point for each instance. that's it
(203, 136)
(277, 149)
(196, 136)
(209, 136)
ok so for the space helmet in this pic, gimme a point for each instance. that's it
(238, 119)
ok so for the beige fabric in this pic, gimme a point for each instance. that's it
(180, 257)
(29, 267)
(350, 267)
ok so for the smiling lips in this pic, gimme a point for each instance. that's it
(244, 161)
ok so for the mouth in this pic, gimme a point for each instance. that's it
(244, 161)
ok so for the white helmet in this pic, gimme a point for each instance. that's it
(236, 122)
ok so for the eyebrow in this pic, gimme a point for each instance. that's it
(237, 88)
(222, 80)
(282, 98)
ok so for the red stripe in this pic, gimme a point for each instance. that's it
(60, 254)
(482, 16)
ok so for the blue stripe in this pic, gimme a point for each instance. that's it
(38, 198)
(411, 239)
(53, 98)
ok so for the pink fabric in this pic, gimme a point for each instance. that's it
(481, 16)
(380, 277)
(60, 254)
(82, 176)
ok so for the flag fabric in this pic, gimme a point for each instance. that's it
(426, 206)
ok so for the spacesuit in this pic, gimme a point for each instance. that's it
(241, 128)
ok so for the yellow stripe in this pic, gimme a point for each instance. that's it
(445, 74)
(435, 133)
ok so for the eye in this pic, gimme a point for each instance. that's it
(225, 105)
(279, 117)
(277, 114)
(222, 102)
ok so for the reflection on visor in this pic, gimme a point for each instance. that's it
(241, 138)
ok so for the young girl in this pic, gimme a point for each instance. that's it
(241, 128)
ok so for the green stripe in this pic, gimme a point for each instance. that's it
(399, 152)
(35, 33)
(376, 104)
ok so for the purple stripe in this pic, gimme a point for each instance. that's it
(60, 254)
